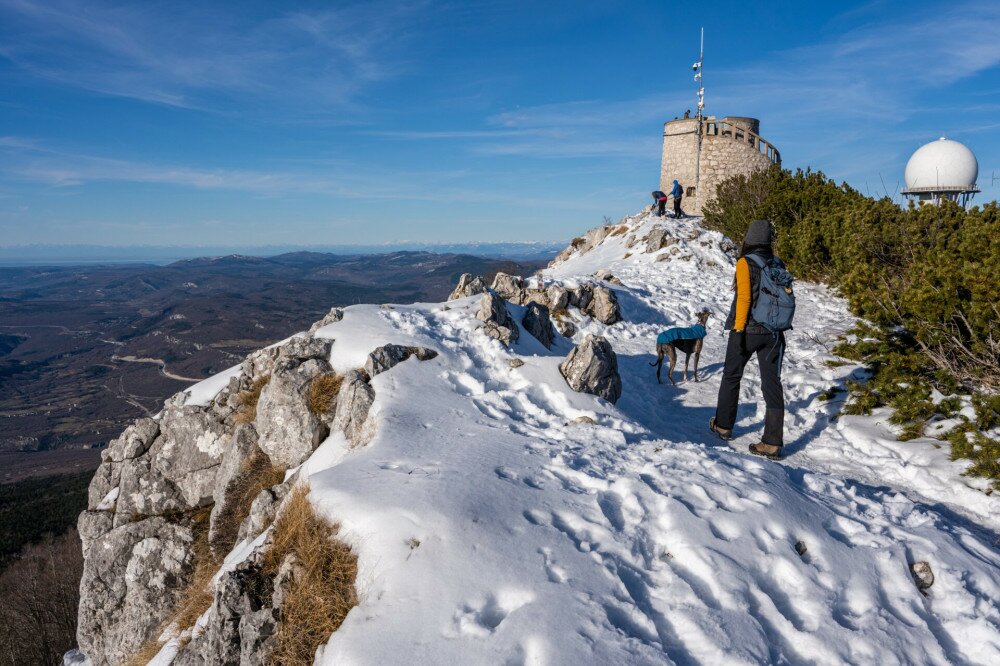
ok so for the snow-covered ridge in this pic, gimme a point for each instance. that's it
(500, 517)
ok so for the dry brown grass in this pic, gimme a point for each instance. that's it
(619, 230)
(323, 391)
(322, 593)
(256, 474)
(246, 410)
(145, 654)
(560, 314)
(197, 598)
(627, 255)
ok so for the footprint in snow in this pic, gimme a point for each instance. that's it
(481, 618)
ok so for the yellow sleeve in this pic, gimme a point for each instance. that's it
(742, 294)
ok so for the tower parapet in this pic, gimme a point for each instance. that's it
(700, 153)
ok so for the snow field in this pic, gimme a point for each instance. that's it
(493, 527)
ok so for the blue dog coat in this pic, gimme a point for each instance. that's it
(690, 333)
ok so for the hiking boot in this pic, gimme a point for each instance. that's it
(724, 433)
(769, 451)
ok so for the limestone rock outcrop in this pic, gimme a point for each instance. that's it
(536, 322)
(242, 448)
(592, 367)
(289, 431)
(131, 581)
(468, 285)
(558, 297)
(244, 617)
(497, 322)
(604, 306)
(509, 287)
(585, 243)
(332, 317)
(353, 404)
(659, 238)
(387, 356)
(171, 485)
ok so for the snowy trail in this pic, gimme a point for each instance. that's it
(492, 526)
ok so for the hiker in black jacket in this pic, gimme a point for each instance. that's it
(746, 338)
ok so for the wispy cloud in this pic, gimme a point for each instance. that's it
(25, 159)
(577, 129)
(835, 103)
(194, 55)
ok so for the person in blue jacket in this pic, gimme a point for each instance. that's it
(677, 193)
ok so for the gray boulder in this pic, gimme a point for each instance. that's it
(106, 478)
(331, 317)
(923, 576)
(304, 348)
(604, 306)
(468, 285)
(558, 297)
(658, 238)
(497, 322)
(133, 577)
(353, 404)
(582, 296)
(144, 492)
(607, 276)
(584, 243)
(242, 447)
(263, 511)
(256, 366)
(133, 442)
(534, 295)
(592, 367)
(509, 287)
(565, 327)
(289, 431)
(188, 452)
(389, 355)
(92, 525)
(536, 322)
(243, 620)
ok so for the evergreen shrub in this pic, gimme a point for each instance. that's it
(925, 280)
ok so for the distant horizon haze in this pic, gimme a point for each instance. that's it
(41, 254)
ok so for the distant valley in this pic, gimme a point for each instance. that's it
(85, 349)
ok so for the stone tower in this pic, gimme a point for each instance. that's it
(701, 153)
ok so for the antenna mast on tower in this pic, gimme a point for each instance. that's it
(698, 67)
(698, 70)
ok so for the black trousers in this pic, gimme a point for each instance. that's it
(677, 206)
(661, 205)
(770, 351)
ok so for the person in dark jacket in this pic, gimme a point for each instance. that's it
(677, 193)
(747, 338)
(660, 201)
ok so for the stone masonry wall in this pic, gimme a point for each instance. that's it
(722, 157)
(680, 155)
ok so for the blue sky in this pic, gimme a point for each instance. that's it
(328, 123)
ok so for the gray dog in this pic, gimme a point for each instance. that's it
(687, 340)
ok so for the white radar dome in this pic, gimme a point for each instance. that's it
(943, 163)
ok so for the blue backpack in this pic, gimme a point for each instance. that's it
(775, 305)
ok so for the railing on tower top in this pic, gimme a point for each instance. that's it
(737, 133)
